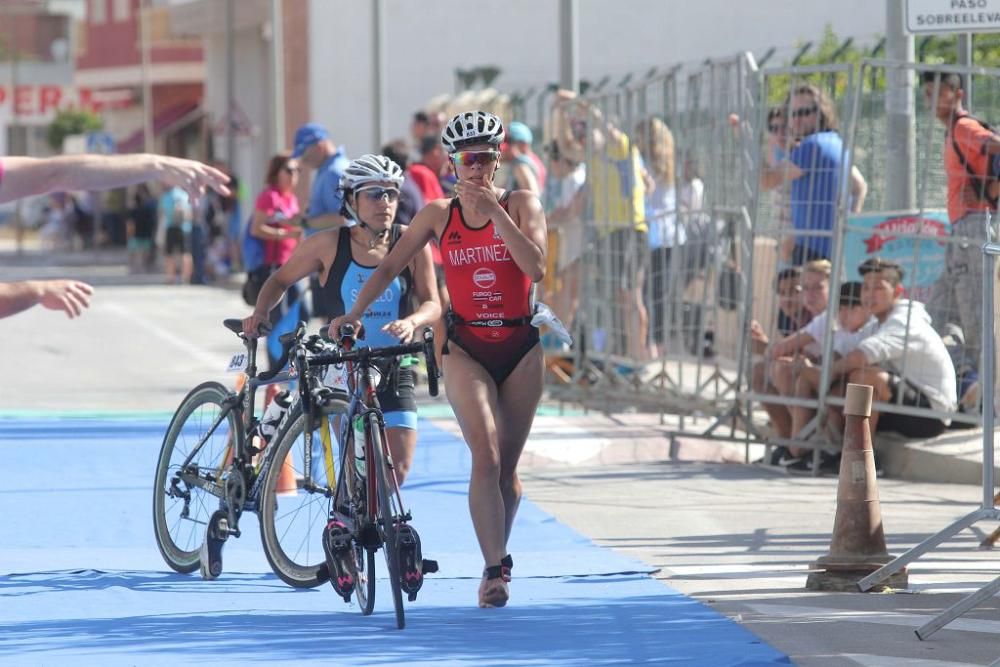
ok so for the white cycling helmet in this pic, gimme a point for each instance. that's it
(472, 127)
(371, 169)
(366, 169)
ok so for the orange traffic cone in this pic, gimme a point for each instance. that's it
(858, 545)
(286, 476)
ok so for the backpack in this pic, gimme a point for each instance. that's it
(252, 247)
(253, 263)
(986, 187)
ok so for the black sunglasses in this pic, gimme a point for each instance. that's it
(805, 111)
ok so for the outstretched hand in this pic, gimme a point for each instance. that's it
(193, 177)
(70, 296)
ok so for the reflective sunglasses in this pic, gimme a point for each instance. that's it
(470, 158)
(376, 193)
(805, 111)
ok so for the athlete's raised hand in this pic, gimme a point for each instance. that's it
(478, 197)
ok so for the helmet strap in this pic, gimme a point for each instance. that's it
(377, 238)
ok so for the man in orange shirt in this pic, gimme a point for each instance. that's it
(969, 148)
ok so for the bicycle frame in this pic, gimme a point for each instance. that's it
(243, 403)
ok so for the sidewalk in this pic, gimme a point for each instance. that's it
(742, 538)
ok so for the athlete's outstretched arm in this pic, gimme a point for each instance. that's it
(415, 238)
(26, 176)
(303, 262)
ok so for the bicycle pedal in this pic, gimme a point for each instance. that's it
(411, 561)
(337, 547)
(210, 554)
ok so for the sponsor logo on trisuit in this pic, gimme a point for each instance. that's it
(484, 278)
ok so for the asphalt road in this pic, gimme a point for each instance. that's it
(738, 537)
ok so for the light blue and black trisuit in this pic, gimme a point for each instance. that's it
(343, 283)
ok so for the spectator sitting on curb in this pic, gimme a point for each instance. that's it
(854, 324)
(899, 361)
(776, 373)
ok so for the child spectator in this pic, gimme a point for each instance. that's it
(775, 374)
(904, 360)
(854, 324)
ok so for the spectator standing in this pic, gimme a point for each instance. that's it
(564, 200)
(526, 169)
(617, 194)
(656, 144)
(411, 200)
(815, 168)
(275, 212)
(175, 217)
(427, 174)
(777, 153)
(141, 229)
(968, 149)
(315, 151)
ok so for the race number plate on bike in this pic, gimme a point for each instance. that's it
(238, 363)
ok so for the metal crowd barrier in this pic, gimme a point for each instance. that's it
(669, 330)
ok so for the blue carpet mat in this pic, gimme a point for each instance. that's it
(81, 580)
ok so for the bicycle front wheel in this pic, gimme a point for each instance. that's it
(185, 496)
(292, 519)
(387, 519)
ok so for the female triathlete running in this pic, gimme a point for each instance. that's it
(344, 259)
(493, 249)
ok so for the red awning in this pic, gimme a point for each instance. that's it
(163, 120)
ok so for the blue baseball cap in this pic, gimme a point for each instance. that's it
(519, 132)
(306, 136)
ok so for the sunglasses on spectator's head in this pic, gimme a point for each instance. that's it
(470, 158)
(376, 193)
(805, 111)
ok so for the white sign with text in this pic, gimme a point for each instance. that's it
(933, 16)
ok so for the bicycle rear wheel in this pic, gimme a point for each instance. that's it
(364, 579)
(181, 509)
(292, 521)
(387, 519)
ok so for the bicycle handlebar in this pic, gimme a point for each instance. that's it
(287, 342)
(363, 354)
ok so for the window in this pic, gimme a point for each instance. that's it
(121, 10)
(98, 11)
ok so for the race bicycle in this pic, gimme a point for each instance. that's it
(214, 463)
(367, 511)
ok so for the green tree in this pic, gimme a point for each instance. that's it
(828, 50)
(71, 121)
